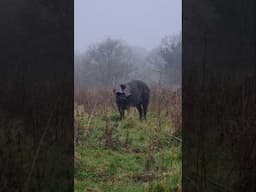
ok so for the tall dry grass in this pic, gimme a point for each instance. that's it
(164, 101)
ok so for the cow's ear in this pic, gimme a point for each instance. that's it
(122, 86)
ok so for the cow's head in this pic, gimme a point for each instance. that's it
(121, 99)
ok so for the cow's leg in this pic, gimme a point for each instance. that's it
(145, 101)
(139, 108)
(145, 108)
(121, 111)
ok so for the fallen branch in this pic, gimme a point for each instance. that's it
(176, 138)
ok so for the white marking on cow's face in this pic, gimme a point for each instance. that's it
(127, 91)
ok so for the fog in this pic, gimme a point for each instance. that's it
(140, 22)
(120, 40)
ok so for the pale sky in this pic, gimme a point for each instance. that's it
(138, 22)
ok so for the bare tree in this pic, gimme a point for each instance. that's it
(170, 50)
(107, 63)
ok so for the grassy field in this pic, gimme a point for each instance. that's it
(127, 155)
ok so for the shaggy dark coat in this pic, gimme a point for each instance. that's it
(134, 93)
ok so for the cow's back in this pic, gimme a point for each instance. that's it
(139, 92)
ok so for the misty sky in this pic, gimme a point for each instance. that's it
(139, 22)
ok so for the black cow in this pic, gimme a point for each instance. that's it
(134, 93)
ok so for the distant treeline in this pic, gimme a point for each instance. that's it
(112, 61)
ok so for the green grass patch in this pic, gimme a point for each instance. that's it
(113, 153)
